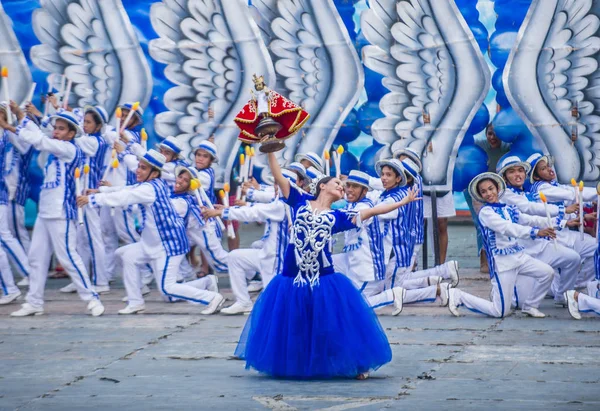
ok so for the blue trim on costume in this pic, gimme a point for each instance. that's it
(11, 252)
(163, 289)
(81, 277)
(127, 227)
(170, 146)
(501, 294)
(218, 264)
(89, 236)
(4, 289)
(363, 286)
(383, 304)
(425, 300)
(15, 223)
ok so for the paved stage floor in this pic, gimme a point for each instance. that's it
(172, 357)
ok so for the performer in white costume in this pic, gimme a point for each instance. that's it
(244, 263)
(172, 149)
(363, 259)
(55, 228)
(501, 226)
(163, 242)
(565, 261)
(543, 179)
(90, 243)
(13, 235)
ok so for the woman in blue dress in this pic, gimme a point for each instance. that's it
(311, 322)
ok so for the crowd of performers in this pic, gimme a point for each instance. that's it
(108, 206)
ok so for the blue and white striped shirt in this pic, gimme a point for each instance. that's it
(397, 231)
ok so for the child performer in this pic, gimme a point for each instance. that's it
(501, 228)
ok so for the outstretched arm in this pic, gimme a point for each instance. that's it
(280, 180)
(411, 196)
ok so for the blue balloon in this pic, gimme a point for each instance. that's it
(373, 86)
(498, 85)
(468, 10)
(526, 144)
(470, 161)
(368, 159)
(367, 114)
(349, 162)
(468, 140)
(480, 121)
(501, 43)
(349, 131)
(508, 125)
(481, 35)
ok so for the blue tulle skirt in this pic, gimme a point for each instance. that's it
(328, 331)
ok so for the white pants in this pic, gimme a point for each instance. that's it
(121, 226)
(11, 245)
(586, 248)
(503, 285)
(165, 270)
(243, 265)
(210, 244)
(566, 263)
(590, 303)
(416, 251)
(417, 288)
(90, 246)
(59, 236)
(374, 291)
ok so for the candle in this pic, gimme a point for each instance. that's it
(252, 155)
(50, 80)
(67, 94)
(204, 199)
(327, 157)
(545, 201)
(114, 166)
(225, 197)
(78, 193)
(29, 95)
(86, 176)
(581, 209)
(241, 179)
(338, 166)
(118, 115)
(144, 137)
(134, 108)
(6, 94)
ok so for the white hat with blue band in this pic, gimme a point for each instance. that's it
(210, 148)
(313, 158)
(360, 178)
(69, 118)
(393, 164)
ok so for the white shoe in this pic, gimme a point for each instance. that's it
(533, 312)
(68, 289)
(102, 289)
(23, 283)
(255, 286)
(9, 298)
(444, 292)
(214, 283)
(453, 272)
(399, 294)
(434, 280)
(96, 308)
(237, 308)
(26, 310)
(130, 309)
(214, 305)
(572, 304)
(452, 304)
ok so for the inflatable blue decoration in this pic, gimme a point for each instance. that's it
(526, 144)
(508, 125)
(346, 10)
(470, 161)
(498, 85)
(349, 162)
(468, 140)
(373, 86)
(367, 114)
(501, 44)
(368, 159)
(481, 35)
(480, 121)
(349, 131)
(511, 13)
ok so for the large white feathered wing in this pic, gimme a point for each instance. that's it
(553, 68)
(316, 66)
(436, 75)
(11, 57)
(211, 48)
(92, 43)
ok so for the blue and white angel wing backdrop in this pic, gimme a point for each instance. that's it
(315, 63)
(93, 44)
(436, 75)
(211, 48)
(12, 57)
(553, 68)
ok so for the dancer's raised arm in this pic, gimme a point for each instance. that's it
(280, 180)
(412, 195)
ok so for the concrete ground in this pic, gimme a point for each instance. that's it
(172, 357)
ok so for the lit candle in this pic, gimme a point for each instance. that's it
(545, 201)
(581, 209)
(203, 198)
(241, 179)
(338, 166)
(118, 115)
(144, 137)
(78, 193)
(67, 94)
(327, 157)
(86, 176)
(225, 197)
(6, 94)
